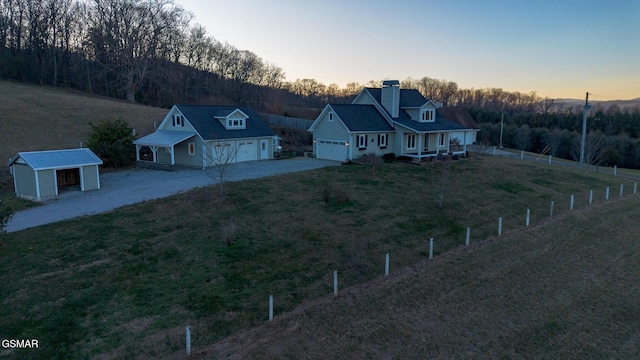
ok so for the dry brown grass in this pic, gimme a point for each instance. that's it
(44, 118)
(566, 288)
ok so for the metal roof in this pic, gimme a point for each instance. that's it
(58, 159)
(164, 138)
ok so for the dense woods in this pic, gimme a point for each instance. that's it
(149, 51)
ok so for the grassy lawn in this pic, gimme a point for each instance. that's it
(566, 289)
(127, 282)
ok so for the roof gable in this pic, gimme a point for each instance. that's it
(205, 121)
(58, 159)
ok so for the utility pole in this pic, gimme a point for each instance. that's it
(584, 130)
(501, 126)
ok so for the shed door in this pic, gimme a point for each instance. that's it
(331, 150)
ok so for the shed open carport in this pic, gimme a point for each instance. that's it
(39, 175)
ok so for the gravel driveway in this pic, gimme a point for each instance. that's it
(133, 186)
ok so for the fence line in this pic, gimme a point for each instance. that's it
(431, 243)
(298, 123)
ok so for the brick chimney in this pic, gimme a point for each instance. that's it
(390, 97)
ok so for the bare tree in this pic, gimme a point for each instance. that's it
(373, 160)
(223, 157)
(555, 139)
(522, 137)
(594, 148)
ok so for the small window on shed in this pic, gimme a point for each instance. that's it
(192, 148)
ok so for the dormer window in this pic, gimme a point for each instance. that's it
(235, 124)
(427, 115)
(178, 121)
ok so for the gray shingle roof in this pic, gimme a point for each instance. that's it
(58, 159)
(361, 117)
(440, 123)
(408, 97)
(209, 128)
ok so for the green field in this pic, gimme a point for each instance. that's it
(129, 281)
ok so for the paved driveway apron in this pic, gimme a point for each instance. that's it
(133, 186)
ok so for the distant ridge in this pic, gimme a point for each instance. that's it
(622, 104)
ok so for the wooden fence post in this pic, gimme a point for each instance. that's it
(430, 248)
(270, 307)
(621, 189)
(606, 197)
(335, 283)
(499, 226)
(590, 197)
(528, 216)
(551, 211)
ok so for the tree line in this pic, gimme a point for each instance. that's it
(148, 51)
(140, 50)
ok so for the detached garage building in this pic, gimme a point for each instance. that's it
(196, 136)
(38, 175)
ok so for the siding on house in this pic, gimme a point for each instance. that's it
(372, 145)
(90, 178)
(334, 130)
(182, 152)
(26, 185)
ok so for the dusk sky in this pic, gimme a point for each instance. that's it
(558, 48)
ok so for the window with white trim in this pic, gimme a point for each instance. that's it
(441, 139)
(235, 124)
(382, 140)
(411, 141)
(330, 117)
(427, 115)
(177, 120)
(362, 141)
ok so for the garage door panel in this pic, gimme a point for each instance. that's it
(247, 151)
(331, 150)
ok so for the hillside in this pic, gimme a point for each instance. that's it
(43, 118)
(564, 289)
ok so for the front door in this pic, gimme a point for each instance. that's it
(264, 149)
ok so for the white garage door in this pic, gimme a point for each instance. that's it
(247, 150)
(331, 150)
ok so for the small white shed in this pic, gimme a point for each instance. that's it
(39, 175)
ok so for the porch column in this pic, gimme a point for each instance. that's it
(137, 152)
(154, 150)
(173, 157)
(419, 136)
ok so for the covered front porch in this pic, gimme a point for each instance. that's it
(433, 144)
(158, 141)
